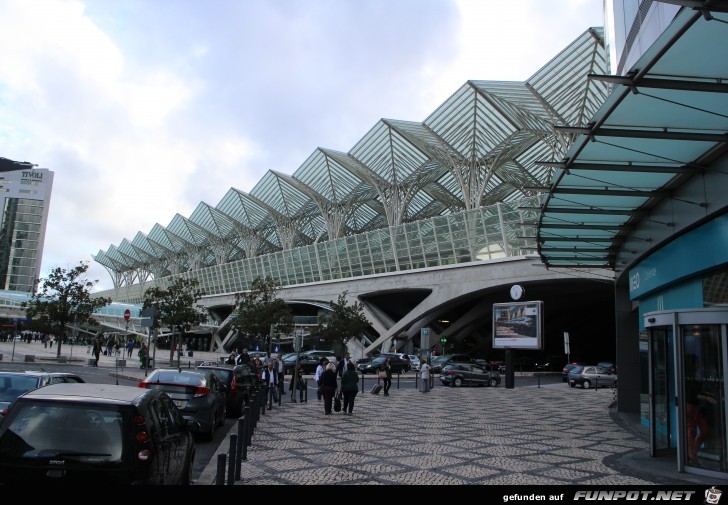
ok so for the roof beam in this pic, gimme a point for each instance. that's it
(615, 167)
(644, 134)
(598, 192)
(676, 84)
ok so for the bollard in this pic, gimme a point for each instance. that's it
(233, 459)
(248, 429)
(242, 438)
(220, 478)
(305, 392)
(362, 383)
(539, 381)
(245, 437)
(265, 400)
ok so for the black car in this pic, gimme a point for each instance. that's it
(309, 361)
(439, 362)
(199, 396)
(567, 368)
(238, 382)
(89, 434)
(14, 384)
(522, 364)
(398, 365)
(468, 374)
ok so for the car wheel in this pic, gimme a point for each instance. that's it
(458, 382)
(586, 384)
(493, 383)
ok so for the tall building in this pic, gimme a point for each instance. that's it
(25, 196)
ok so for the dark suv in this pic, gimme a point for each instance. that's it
(81, 434)
(238, 382)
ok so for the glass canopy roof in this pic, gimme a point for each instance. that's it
(480, 147)
(661, 124)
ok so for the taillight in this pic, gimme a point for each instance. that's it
(5, 411)
(234, 385)
(142, 436)
(200, 391)
(143, 385)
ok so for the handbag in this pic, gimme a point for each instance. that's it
(382, 374)
(337, 402)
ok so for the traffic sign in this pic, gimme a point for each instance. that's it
(127, 315)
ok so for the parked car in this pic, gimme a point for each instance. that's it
(86, 434)
(398, 365)
(591, 375)
(238, 382)
(567, 368)
(609, 365)
(308, 361)
(439, 362)
(14, 384)
(259, 354)
(414, 361)
(199, 396)
(468, 374)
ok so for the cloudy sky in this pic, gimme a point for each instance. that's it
(145, 108)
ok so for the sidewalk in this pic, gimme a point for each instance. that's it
(550, 435)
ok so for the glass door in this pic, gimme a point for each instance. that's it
(704, 430)
(661, 406)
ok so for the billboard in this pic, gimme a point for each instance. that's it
(518, 325)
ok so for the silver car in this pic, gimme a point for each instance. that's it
(414, 361)
(591, 375)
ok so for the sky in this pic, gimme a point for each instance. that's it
(145, 108)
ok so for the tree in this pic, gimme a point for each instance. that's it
(63, 298)
(343, 323)
(176, 309)
(259, 309)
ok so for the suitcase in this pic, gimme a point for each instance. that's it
(376, 389)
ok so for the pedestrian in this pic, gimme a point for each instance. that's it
(97, 350)
(329, 385)
(129, 348)
(143, 355)
(50, 341)
(343, 365)
(281, 373)
(297, 383)
(270, 378)
(317, 375)
(387, 381)
(425, 378)
(349, 387)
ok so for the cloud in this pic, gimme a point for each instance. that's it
(143, 108)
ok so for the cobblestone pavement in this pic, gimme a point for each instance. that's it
(550, 435)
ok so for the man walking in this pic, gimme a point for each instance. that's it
(270, 377)
(342, 366)
(281, 373)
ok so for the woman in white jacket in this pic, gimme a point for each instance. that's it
(317, 375)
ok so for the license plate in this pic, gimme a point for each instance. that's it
(179, 403)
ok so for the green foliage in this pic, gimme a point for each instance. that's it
(343, 323)
(176, 306)
(64, 297)
(260, 308)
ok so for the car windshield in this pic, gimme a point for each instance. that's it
(13, 386)
(378, 361)
(85, 433)
(221, 373)
(440, 359)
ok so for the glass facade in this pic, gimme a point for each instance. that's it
(26, 196)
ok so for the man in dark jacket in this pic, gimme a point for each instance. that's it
(343, 364)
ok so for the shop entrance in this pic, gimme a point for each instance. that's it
(687, 360)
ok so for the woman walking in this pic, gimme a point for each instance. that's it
(387, 367)
(350, 387)
(328, 386)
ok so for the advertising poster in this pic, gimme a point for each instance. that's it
(517, 325)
